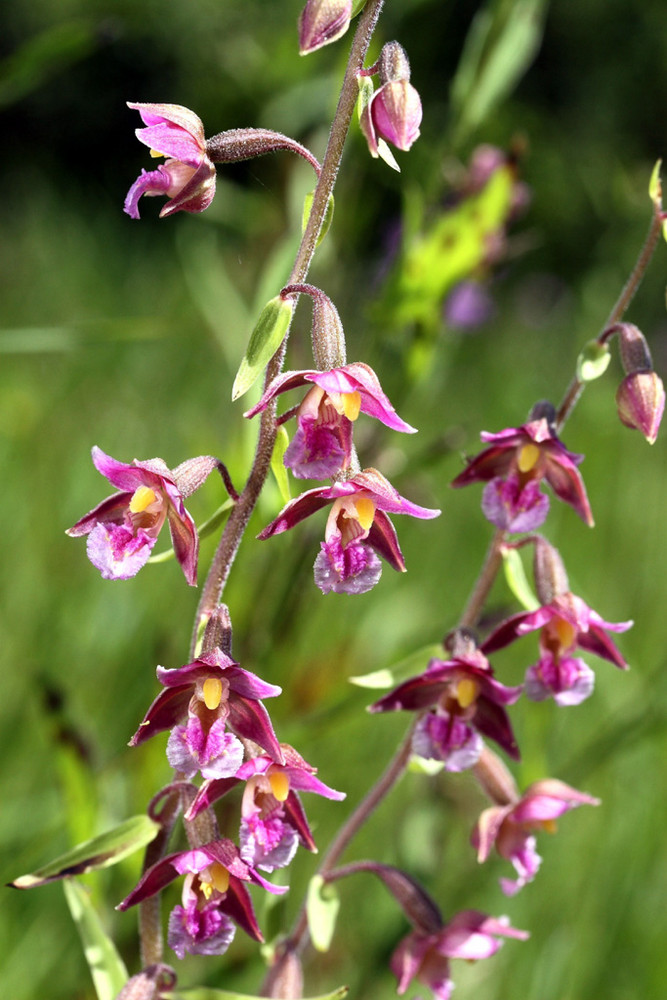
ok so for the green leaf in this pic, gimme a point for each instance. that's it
(517, 580)
(655, 186)
(322, 907)
(502, 42)
(412, 665)
(277, 465)
(100, 852)
(593, 361)
(357, 5)
(44, 56)
(204, 993)
(106, 966)
(328, 215)
(265, 339)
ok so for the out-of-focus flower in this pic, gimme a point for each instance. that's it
(322, 22)
(357, 528)
(213, 892)
(123, 529)
(464, 700)
(187, 176)
(521, 456)
(394, 111)
(273, 821)
(322, 445)
(565, 624)
(470, 935)
(221, 701)
(468, 306)
(512, 827)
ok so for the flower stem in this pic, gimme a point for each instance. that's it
(485, 581)
(576, 387)
(243, 508)
(299, 936)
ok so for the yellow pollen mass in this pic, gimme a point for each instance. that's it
(219, 877)
(212, 692)
(142, 498)
(351, 405)
(279, 782)
(528, 457)
(549, 826)
(206, 889)
(566, 633)
(155, 153)
(466, 692)
(365, 509)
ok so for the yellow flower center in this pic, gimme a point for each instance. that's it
(279, 782)
(365, 510)
(212, 692)
(528, 457)
(142, 498)
(549, 826)
(348, 404)
(566, 633)
(215, 877)
(466, 692)
(155, 153)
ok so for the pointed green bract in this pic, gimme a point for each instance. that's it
(265, 339)
(106, 966)
(100, 852)
(322, 907)
(277, 465)
(413, 664)
(517, 580)
(655, 185)
(326, 221)
(593, 361)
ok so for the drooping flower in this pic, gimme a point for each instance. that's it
(272, 818)
(565, 624)
(394, 111)
(511, 828)
(213, 892)
(470, 935)
(322, 445)
(220, 702)
(123, 529)
(322, 22)
(640, 398)
(464, 700)
(518, 458)
(357, 528)
(187, 176)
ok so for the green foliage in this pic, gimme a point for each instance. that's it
(128, 334)
(106, 966)
(323, 905)
(267, 336)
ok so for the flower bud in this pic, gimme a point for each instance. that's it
(285, 977)
(640, 398)
(322, 22)
(640, 401)
(394, 64)
(550, 576)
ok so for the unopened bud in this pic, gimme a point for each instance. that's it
(634, 351)
(150, 984)
(322, 22)
(640, 401)
(218, 632)
(285, 977)
(327, 331)
(550, 576)
(394, 63)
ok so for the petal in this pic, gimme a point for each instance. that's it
(150, 183)
(117, 552)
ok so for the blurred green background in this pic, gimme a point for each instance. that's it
(128, 334)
